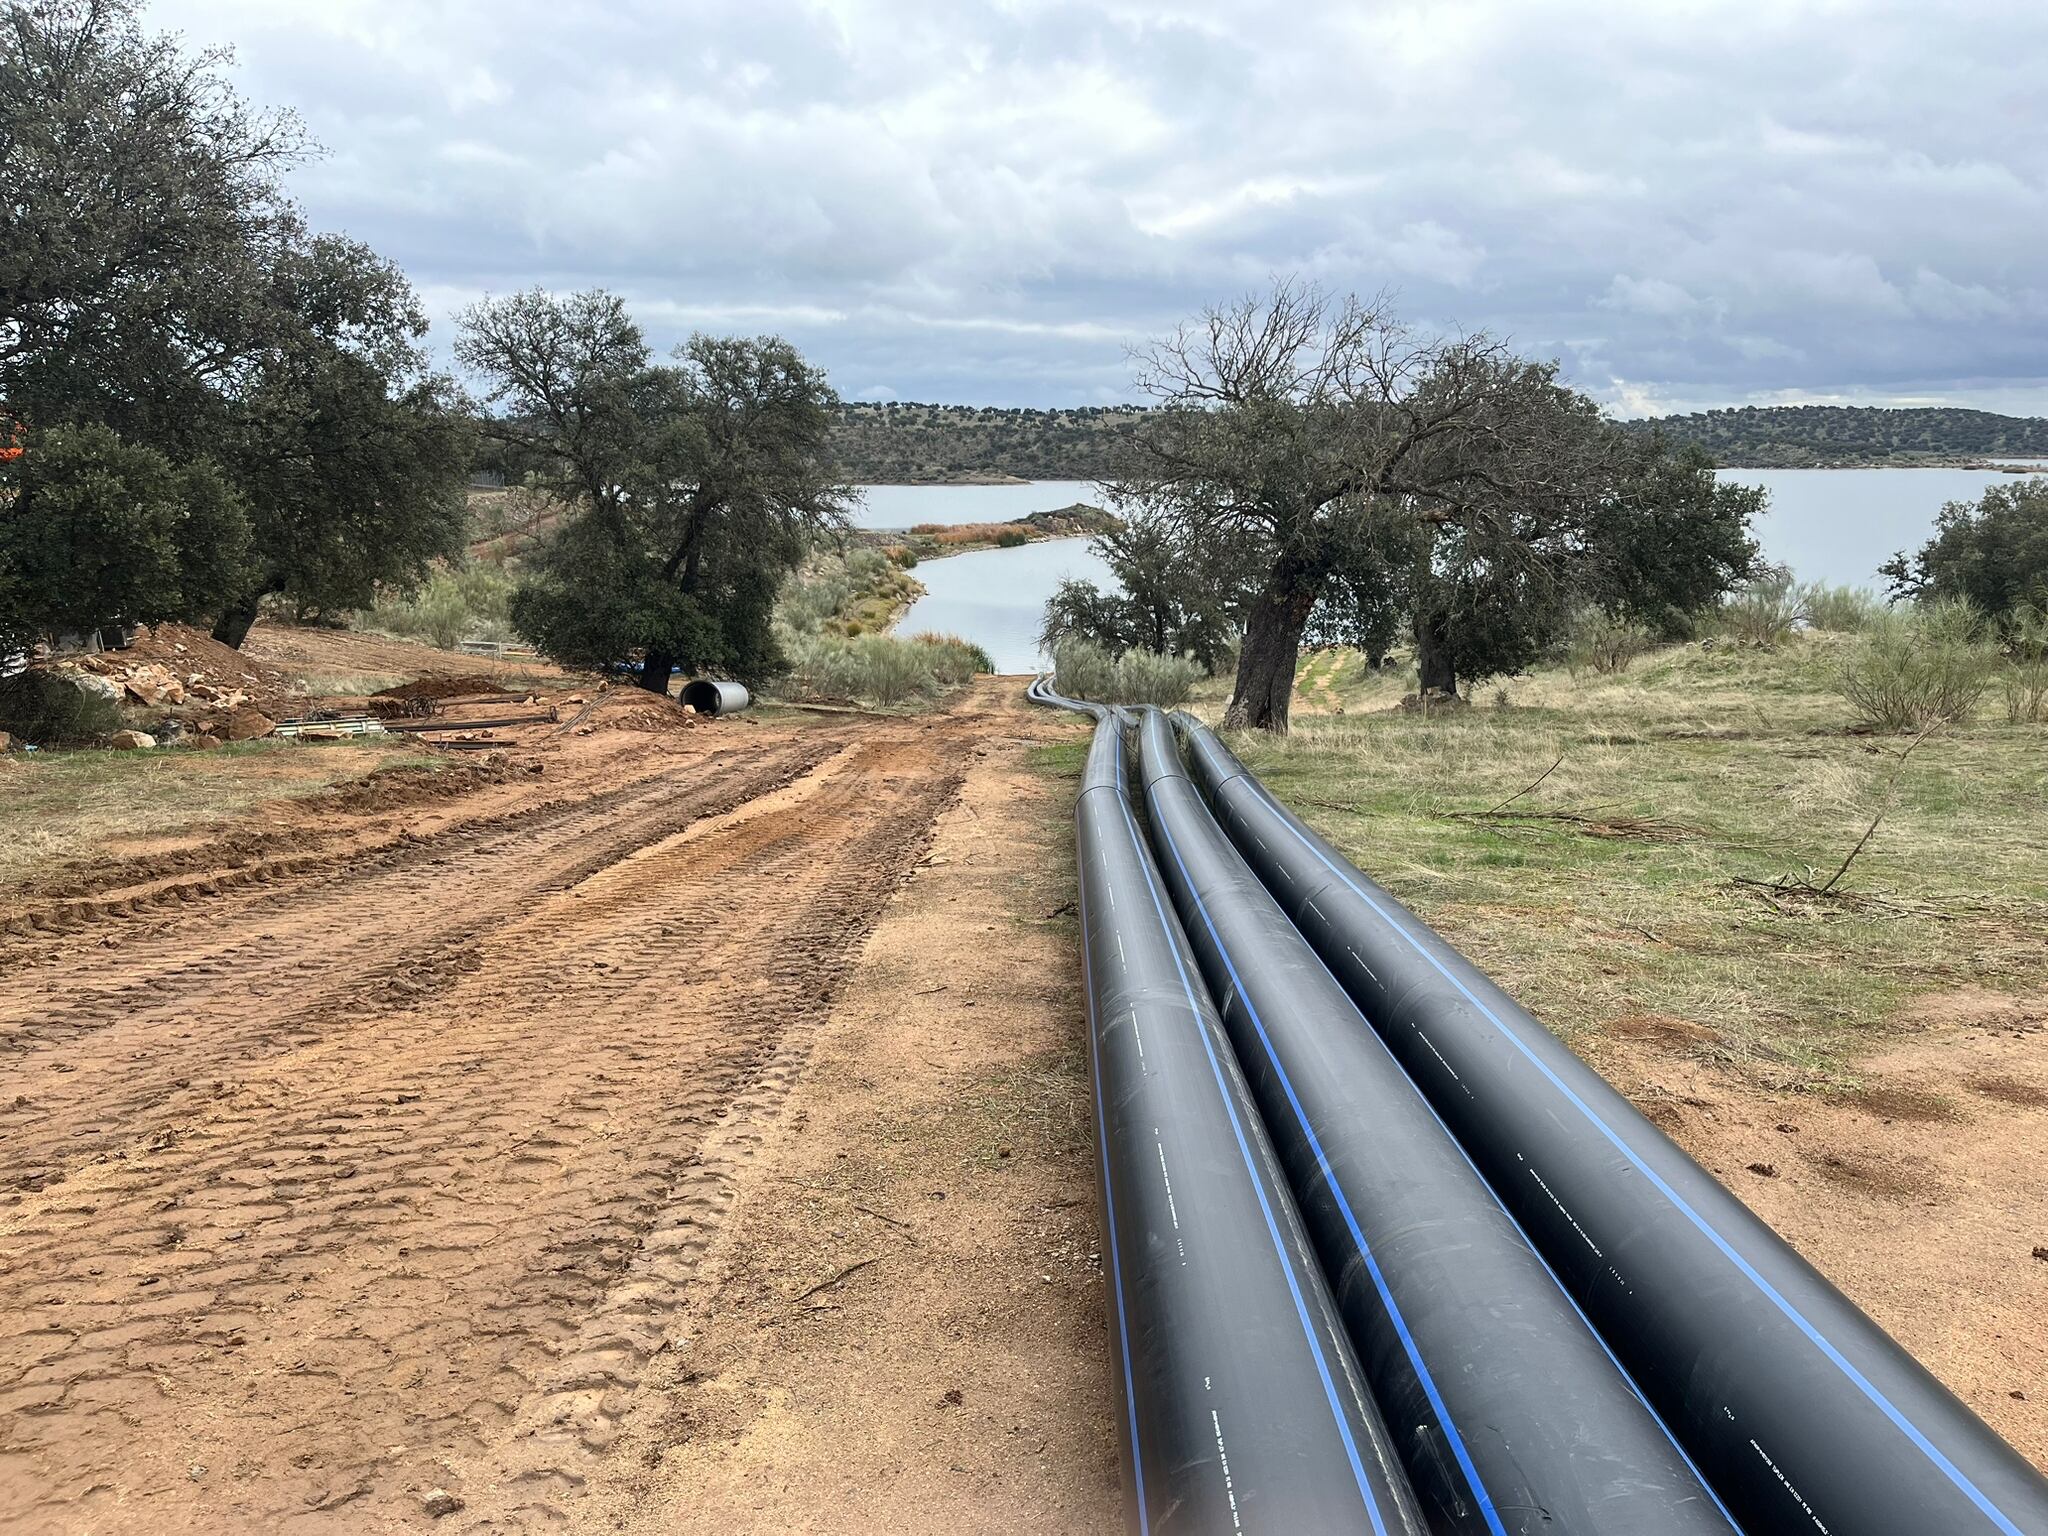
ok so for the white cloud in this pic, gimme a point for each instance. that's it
(1648, 296)
(1708, 199)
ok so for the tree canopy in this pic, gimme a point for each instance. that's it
(1992, 552)
(1337, 458)
(1655, 539)
(698, 483)
(1170, 597)
(157, 284)
(1293, 424)
(93, 525)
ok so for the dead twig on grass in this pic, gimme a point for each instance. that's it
(1591, 821)
(1584, 821)
(1808, 887)
(1511, 799)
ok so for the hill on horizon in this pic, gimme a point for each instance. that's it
(915, 443)
(1805, 436)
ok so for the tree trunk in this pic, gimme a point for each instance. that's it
(1272, 644)
(654, 674)
(232, 627)
(1433, 660)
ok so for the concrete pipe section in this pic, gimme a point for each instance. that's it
(715, 698)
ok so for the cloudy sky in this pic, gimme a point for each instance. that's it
(1689, 202)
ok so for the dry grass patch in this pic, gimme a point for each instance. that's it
(63, 808)
(1589, 846)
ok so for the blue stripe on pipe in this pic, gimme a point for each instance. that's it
(1906, 1426)
(1116, 1273)
(1415, 1360)
(1571, 1301)
(1372, 1507)
(1537, 1253)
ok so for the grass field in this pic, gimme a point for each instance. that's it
(1660, 874)
(59, 807)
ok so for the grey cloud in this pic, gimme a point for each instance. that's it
(984, 201)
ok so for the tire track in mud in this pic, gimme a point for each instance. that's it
(430, 1237)
(276, 968)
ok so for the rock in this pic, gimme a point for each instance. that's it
(439, 1502)
(6, 741)
(131, 741)
(202, 741)
(90, 682)
(245, 722)
(152, 684)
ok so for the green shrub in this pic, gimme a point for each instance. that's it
(1084, 670)
(1913, 670)
(1146, 677)
(903, 557)
(1764, 613)
(953, 661)
(2024, 678)
(449, 607)
(1598, 641)
(47, 710)
(1839, 610)
(882, 669)
(1010, 538)
(1081, 669)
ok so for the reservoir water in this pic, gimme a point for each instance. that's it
(905, 506)
(996, 597)
(1834, 525)
(1840, 525)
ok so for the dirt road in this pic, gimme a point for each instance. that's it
(682, 1128)
(383, 1156)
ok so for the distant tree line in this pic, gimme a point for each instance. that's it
(1799, 436)
(908, 442)
(912, 442)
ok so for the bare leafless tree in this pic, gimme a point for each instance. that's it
(1293, 422)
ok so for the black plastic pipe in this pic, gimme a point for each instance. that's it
(1511, 1417)
(1802, 1412)
(1243, 1406)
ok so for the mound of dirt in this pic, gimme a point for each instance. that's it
(635, 709)
(175, 665)
(442, 687)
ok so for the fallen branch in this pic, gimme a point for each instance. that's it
(1511, 799)
(1805, 885)
(1587, 822)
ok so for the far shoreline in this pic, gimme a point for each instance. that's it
(1931, 461)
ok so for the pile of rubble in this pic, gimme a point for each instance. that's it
(192, 688)
(632, 709)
